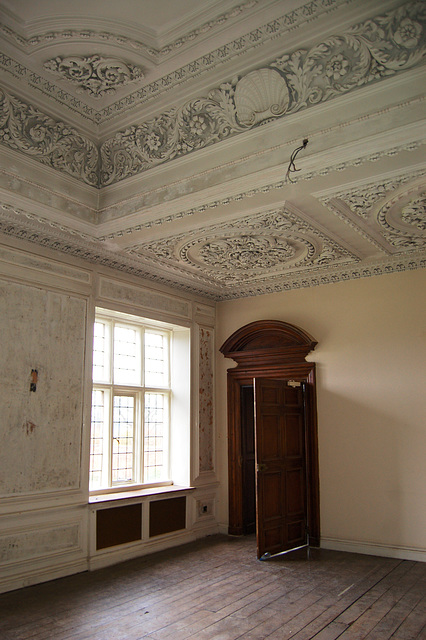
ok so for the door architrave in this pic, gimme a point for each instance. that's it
(270, 349)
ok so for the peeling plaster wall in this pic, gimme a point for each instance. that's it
(47, 307)
(41, 430)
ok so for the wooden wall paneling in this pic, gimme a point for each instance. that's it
(118, 525)
(166, 516)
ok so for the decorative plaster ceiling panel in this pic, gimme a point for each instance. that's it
(391, 213)
(161, 148)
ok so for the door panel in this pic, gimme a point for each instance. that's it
(281, 504)
(248, 460)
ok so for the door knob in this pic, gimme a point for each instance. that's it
(261, 467)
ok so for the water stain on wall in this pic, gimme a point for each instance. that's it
(29, 427)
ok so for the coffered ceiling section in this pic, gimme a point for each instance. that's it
(168, 139)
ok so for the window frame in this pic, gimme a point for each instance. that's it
(110, 319)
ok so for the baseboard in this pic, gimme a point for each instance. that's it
(223, 528)
(42, 574)
(374, 549)
(135, 550)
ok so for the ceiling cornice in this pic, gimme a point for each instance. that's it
(369, 52)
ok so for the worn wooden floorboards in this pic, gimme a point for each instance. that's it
(215, 589)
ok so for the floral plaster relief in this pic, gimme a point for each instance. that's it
(94, 75)
(368, 52)
(206, 399)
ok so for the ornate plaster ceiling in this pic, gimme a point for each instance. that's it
(155, 137)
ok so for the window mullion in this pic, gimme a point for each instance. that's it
(109, 435)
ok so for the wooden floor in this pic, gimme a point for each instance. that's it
(215, 589)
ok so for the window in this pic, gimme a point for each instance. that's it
(133, 402)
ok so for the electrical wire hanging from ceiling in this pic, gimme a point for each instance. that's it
(292, 166)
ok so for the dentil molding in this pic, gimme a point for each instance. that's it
(390, 213)
(258, 247)
(373, 50)
(262, 34)
(56, 239)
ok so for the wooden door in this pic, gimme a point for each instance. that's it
(281, 496)
(248, 462)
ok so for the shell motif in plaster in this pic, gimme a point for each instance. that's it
(261, 95)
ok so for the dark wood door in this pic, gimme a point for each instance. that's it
(248, 461)
(281, 497)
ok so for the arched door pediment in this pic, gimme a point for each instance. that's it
(271, 341)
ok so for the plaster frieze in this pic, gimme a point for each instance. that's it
(390, 213)
(256, 246)
(13, 214)
(63, 36)
(95, 75)
(261, 34)
(265, 188)
(51, 142)
(330, 275)
(52, 238)
(368, 52)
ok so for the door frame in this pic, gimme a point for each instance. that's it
(270, 349)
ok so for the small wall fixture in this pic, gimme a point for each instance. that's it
(34, 378)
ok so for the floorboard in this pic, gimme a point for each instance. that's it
(216, 589)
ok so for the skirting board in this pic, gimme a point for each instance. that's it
(116, 555)
(39, 575)
(373, 549)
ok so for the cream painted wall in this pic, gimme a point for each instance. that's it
(371, 404)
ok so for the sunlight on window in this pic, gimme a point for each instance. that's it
(130, 409)
(126, 356)
(96, 439)
(155, 360)
(122, 439)
(155, 414)
(100, 365)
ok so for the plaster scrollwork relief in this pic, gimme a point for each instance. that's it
(247, 251)
(361, 201)
(206, 444)
(175, 133)
(94, 75)
(375, 49)
(51, 142)
(345, 268)
(392, 211)
(404, 225)
(370, 51)
(289, 21)
(261, 246)
(415, 212)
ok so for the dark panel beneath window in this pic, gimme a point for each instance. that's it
(166, 516)
(118, 525)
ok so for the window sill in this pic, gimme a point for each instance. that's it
(137, 494)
